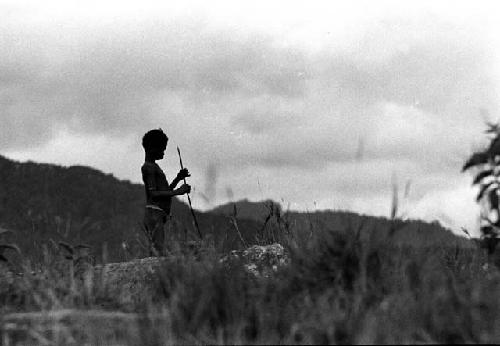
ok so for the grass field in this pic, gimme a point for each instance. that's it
(336, 289)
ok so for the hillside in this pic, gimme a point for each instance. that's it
(246, 209)
(410, 232)
(40, 202)
(43, 202)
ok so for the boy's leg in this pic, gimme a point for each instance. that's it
(159, 235)
(154, 221)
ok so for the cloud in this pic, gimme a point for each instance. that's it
(258, 121)
(106, 81)
(414, 102)
(98, 151)
(453, 206)
(276, 118)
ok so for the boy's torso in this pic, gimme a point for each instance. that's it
(154, 179)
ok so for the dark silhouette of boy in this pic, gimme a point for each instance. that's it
(159, 192)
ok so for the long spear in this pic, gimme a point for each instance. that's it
(189, 199)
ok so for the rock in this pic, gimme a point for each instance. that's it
(260, 260)
(130, 282)
(133, 282)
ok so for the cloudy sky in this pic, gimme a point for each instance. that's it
(318, 105)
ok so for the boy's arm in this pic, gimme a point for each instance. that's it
(148, 176)
(174, 182)
(183, 173)
(164, 193)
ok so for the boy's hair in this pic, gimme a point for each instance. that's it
(154, 139)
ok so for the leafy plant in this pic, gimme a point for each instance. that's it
(486, 164)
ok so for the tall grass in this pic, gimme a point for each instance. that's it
(336, 289)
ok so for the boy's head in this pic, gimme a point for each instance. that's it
(154, 143)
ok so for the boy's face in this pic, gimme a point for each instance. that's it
(159, 152)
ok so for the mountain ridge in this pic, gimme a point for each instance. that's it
(80, 204)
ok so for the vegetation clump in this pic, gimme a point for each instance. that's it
(336, 288)
(335, 278)
(486, 166)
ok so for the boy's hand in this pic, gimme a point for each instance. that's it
(185, 188)
(183, 173)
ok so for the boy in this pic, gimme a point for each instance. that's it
(158, 192)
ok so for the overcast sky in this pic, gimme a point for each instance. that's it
(318, 105)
